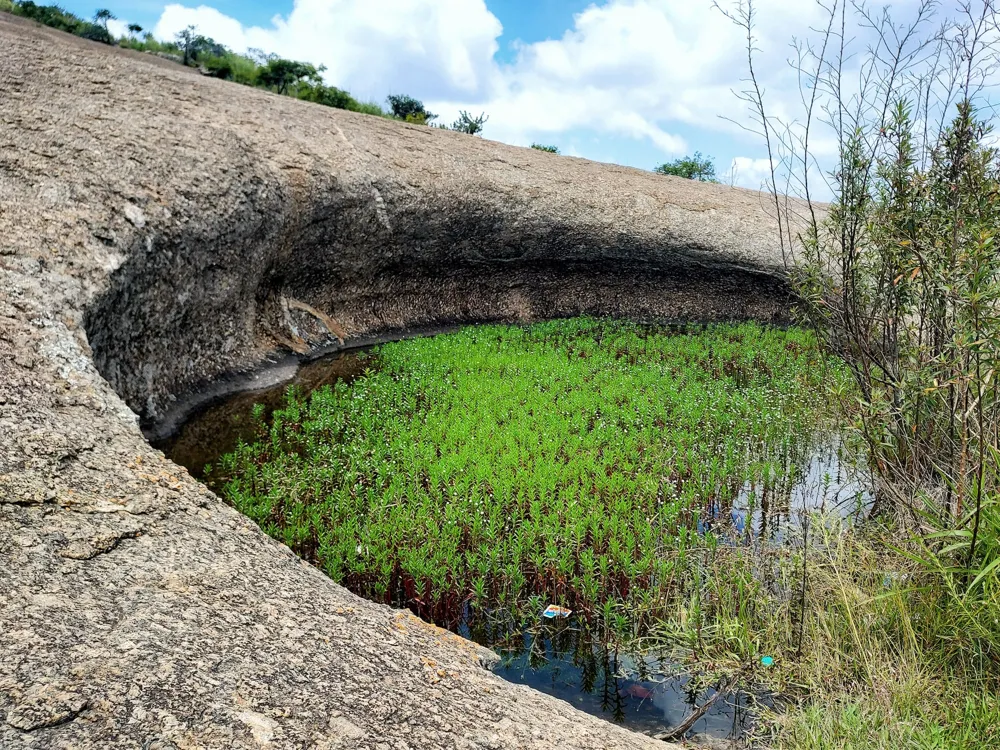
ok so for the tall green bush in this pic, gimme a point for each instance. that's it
(407, 108)
(900, 276)
(697, 167)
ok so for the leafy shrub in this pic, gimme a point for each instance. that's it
(900, 276)
(195, 47)
(242, 69)
(218, 67)
(468, 124)
(409, 109)
(94, 32)
(548, 149)
(370, 108)
(149, 44)
(697, 167)
(51, 15)
(281, 74)
(329, 96)
(230, 67)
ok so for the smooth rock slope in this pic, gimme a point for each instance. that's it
(158, 229)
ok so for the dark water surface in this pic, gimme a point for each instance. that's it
(558, 657)
(216, 428)
(649, 696)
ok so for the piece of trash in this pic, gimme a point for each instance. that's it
(767, 661)
(637, 691)
(554, 610)
(892, 579)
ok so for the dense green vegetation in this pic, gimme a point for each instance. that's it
(409, 109)
(900, 277)
(569, 462)
(57, 18)
(912, 239)
(697, 167)
(485, 474)
(549, 149)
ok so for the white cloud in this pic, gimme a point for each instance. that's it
(118, 28)
(749, 172)
(442, 48)
(209, 22)
(638, 68)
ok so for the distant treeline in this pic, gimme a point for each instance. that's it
(254, 68)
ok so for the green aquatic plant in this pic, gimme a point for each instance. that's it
(477, 474)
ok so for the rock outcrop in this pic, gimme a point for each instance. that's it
(159, 229)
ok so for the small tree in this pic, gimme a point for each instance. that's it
(409, 109)
(102, 17)
(547, 149)
(185, 40)
(281, 74)
(468, 124)
(134, 30)
(194, 45)
(695, 167)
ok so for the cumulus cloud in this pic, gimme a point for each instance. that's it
(118, 28)
(442, 48)
(640, 68)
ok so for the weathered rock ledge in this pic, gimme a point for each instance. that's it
(158, 229)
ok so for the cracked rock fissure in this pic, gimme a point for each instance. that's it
(154, 227)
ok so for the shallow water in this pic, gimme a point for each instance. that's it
(557, 657)
(216, 428)
(826, 486)
(648, 696)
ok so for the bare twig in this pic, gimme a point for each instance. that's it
(681, 729)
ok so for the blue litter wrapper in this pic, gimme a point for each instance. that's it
(554, 610)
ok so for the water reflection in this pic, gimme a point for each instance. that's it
(819, 483)
(648, 695)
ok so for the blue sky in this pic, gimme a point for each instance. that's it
(634, 82)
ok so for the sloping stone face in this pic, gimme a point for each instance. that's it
(157, 230)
